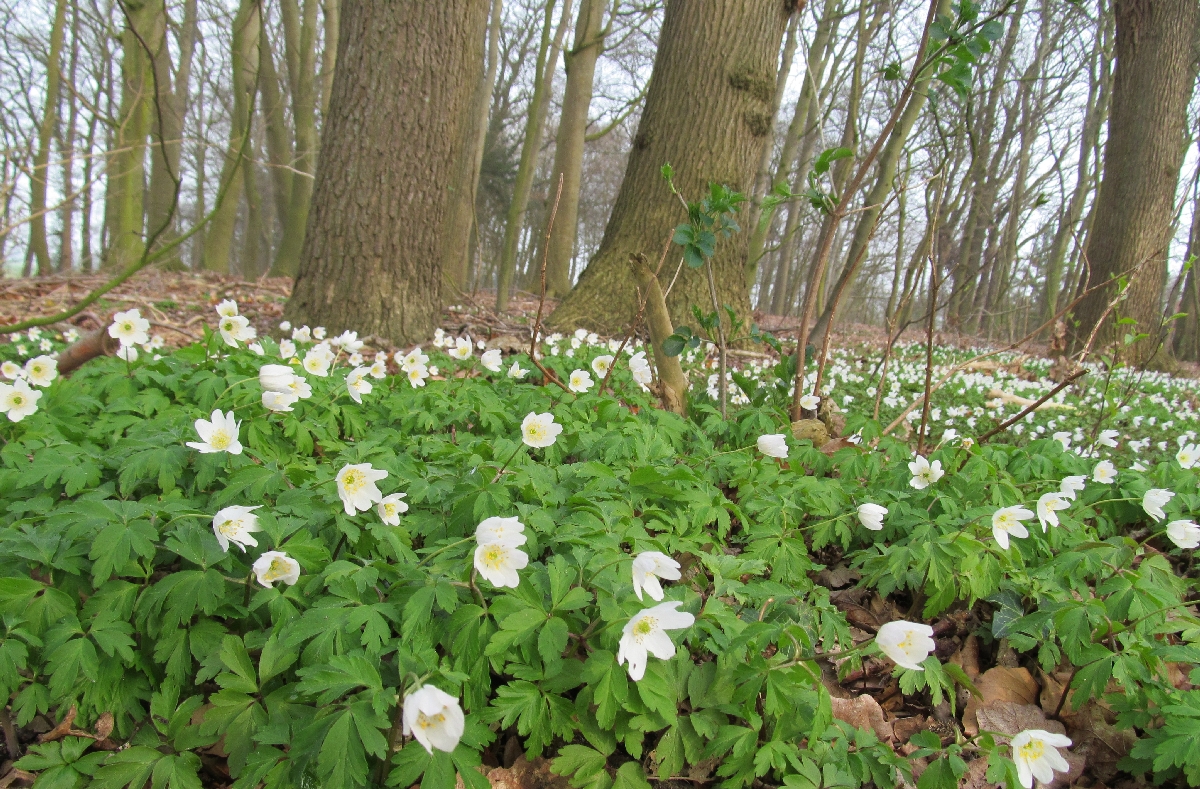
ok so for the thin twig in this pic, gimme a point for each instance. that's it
(1000, 428)
(537, 326)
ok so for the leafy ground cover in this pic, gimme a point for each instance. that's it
(391, 570)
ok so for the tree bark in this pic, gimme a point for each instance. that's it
(371, 258)
(41, 160)
(708, 110)
(531, 146)
(580, 63)
(1156, 63)
(460, 217)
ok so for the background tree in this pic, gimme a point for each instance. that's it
(1157, 56)
(708, 112)
(371, 255)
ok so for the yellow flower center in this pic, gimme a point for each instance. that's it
(220, 440)
(18, 400)
(352, 482)
(426, 722)
(535, 431)
(231, 528)
(127, 327)
(1033, 750)
(278, 569)
(644, 627)
(907, 643)
(494, 556)
(390, 509)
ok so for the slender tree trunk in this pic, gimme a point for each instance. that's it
(459, 246)
(279, 144)
(167, 121)
(247, 26)
(1156, 63)
(300, 34)
(197, 250)
(885, 176)
(124, 202)
(331, 10)
(1098, 90)
(66, 247)
(763, 180)
(708, 108)
(41, 159)
(580, 63)
(531, 146)
(371, 258)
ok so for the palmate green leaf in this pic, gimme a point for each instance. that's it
(130, 767)
(341, 675)
(116, 545)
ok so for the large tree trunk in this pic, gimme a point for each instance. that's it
(41, 160)
(371, 260)
(1156, 62)
(708, 112)
(568, 147)
(460, 217)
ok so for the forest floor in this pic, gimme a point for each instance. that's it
(178, 304)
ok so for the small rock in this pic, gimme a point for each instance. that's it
(813, 430)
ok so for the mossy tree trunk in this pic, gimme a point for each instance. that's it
(1156, 63)
(708, 114)
(401, 92)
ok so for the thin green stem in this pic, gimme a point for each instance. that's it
(445, 548)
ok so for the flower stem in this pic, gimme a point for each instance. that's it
(510, 460)
(445, 548)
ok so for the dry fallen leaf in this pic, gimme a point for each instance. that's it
(863, 712)
(996, 685)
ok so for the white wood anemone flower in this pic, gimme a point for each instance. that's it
(601, 365)
(492, 360)
(924, 473)
(417, 375)
(275, 566)
(11, 370)
(1104, 472)
(648, 567)
(235, 329)
(871, 516)
(517, 371)
(646, 634)
(498, 562)
(316, 362)
(414, 358)
(391, 507)
(1184, 534)
(810, 402)
(1072, 485)
(218, 434)
(357, 384)
(1048, 507)
(539, 430)
(906, 643)
(1154, 500)
(1007, 521)
(275, 377)
(1188, 456)
(227, 308)
(433, 718)
(580, 381)
(130, 328)
(773, 445)
(235, 524)
(17, 400)
(356, 487)
(278, 401)
(461, 349)
(509, 531)
(41, 370)
(1036, 753)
